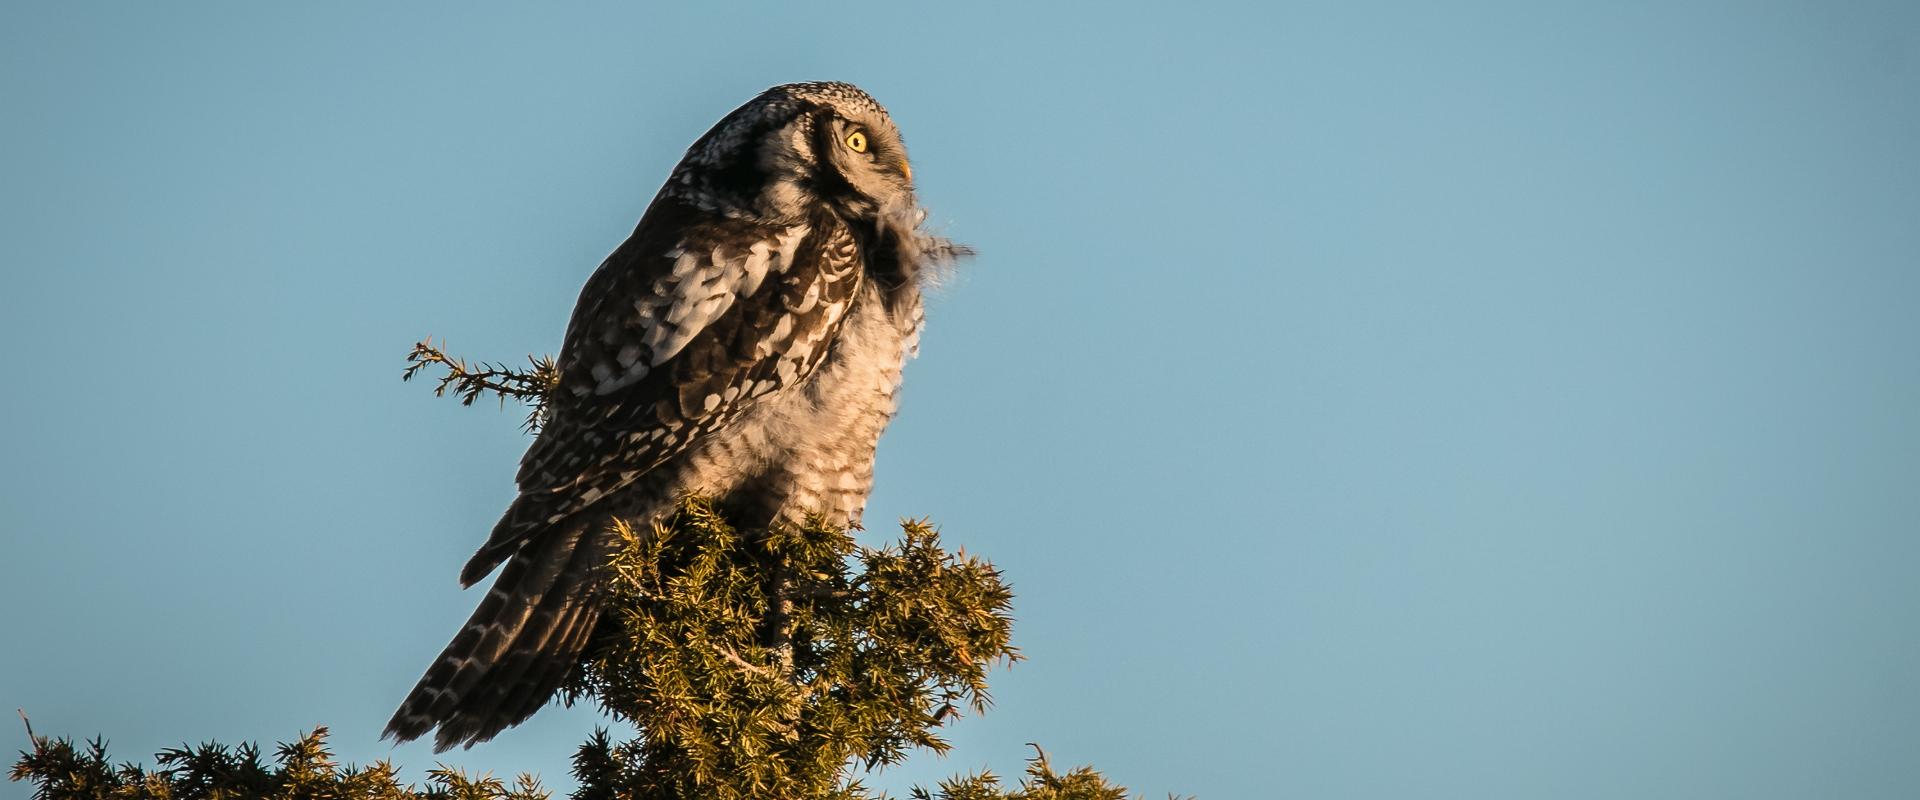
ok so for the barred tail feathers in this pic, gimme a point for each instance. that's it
(529, 516)
(519, 645)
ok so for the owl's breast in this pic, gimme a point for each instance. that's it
(809, 449)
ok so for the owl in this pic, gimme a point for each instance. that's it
(744, 343)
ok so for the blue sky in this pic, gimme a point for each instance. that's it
(1503, 400)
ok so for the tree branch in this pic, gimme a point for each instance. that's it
(532, 386)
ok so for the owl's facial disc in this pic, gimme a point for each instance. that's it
(795, 148)
(884, 150)
(863, 162)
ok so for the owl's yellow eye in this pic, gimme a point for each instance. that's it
(857, 141)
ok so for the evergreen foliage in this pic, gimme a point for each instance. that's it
(300, 770)
(772, 660)
(530, 386)
(755, 664)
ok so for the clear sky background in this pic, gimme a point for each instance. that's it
(1512, 400)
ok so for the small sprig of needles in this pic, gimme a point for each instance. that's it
(533, 386)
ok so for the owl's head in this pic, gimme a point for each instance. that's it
(794, 148)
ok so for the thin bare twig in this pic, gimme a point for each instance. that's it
(741, 662)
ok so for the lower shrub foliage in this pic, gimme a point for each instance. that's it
(762, 664)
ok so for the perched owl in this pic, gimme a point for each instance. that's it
(744, 343)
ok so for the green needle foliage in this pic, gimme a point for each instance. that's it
(772, 661)
(530, 386)
(300, 770)
(754, 664)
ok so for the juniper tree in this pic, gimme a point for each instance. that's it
(776, 663)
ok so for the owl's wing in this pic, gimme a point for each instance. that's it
(676, 335)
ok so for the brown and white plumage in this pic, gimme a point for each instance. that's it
(745, 342)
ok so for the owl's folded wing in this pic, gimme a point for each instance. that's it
(689, 323)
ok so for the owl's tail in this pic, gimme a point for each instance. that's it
(518, 647)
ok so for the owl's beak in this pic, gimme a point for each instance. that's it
(906, 169)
